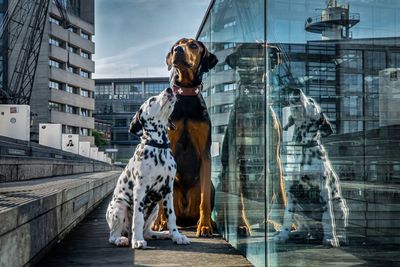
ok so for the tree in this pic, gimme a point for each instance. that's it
(99, 140)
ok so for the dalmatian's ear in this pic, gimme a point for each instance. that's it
(289, 123)
(325, 127)
(136, 125)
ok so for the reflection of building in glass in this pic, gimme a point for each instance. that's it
(343, 76)
(354, 82)
(117, 100)
(353, 76)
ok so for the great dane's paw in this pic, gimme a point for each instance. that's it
(244, 231)
(204, 230)
(160, 226)
(139, 244)
(122, 241)
(180, 239)
(282, 236)
(273, 226)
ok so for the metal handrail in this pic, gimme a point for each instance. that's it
(329, 17)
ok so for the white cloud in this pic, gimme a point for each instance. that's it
(133, 37)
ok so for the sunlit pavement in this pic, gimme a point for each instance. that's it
(87, 245)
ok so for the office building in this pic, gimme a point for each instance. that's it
(117, 100)
(63, 87)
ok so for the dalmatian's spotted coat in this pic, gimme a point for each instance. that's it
(315, 187)
(147, 179)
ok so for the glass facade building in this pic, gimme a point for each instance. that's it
(117, 100)
(278, 184)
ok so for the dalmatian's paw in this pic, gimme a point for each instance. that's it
(156, 235)
(282, 236)
(180, 239)
(122, 241)
(331, 242)
(139, 244)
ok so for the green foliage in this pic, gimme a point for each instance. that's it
(99, 141)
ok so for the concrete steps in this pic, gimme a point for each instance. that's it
(36, 214)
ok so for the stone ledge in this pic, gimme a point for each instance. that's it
(35, 214)
(18, 169)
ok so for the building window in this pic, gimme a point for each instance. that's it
(131, 108)
(229, 24)
(352, 82)
(73, 29)
(85, 112)
(225, 108)
(71, 89)
(85, 93)
(127, 90)
(55, 85)
(54, 20)
(84, 132)
(104, 91)
(72, 49)
(219, 129)
(71, 109)
(72, 69)
(55, 106)
(229, 45)
(154, 88)
(55, 42)
(226, 67)
(374, 60)
(71, 129)
(85, 74)
(85, 35)
(120, 136)
(55, 64)
(120, 123)
(85, 55)
(229, 87)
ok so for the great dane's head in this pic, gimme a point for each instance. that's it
(153, 115)
(306, 110)
(189, 59)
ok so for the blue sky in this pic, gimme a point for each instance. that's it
(133, 36)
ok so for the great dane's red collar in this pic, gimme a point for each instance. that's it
(187, 91)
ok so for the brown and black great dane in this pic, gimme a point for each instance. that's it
(190, 139)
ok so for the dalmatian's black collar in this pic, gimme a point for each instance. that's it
(157, 145)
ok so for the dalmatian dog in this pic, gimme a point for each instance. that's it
(147, 179)
(314, 189)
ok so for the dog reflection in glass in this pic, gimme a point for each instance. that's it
(312, 187)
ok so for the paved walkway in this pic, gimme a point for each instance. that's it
(87, 245)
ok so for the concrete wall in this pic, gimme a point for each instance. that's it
(41, 216)
(19, 169)
(67, 118)
(71, 99)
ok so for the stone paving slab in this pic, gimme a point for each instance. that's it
(87, 245)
